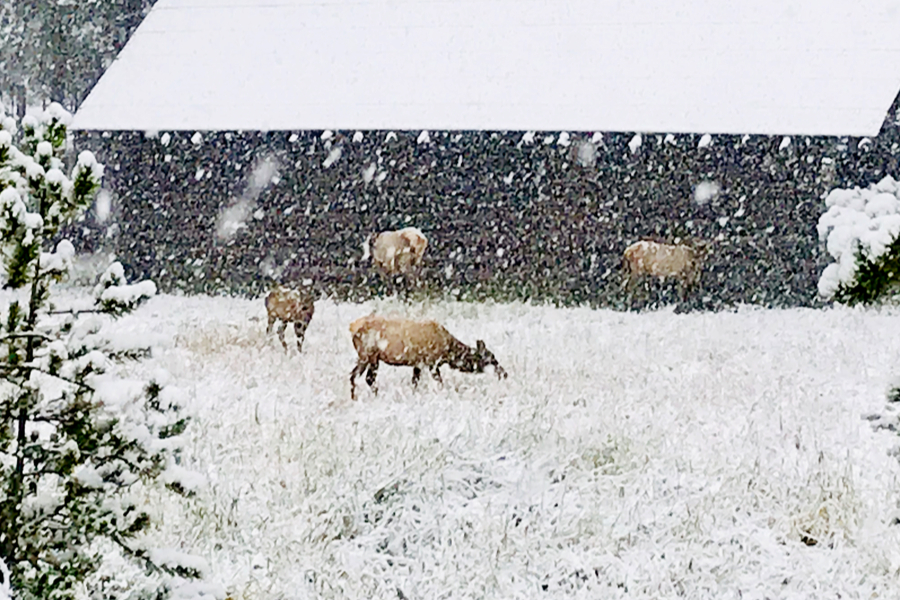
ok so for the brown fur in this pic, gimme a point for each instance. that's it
(290, 306)
(653, 259)
(399, 252)
(417, 344)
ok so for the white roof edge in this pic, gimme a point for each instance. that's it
(813, 67)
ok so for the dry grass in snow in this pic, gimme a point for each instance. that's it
(627, 456)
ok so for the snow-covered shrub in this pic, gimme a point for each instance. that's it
(861, 230)
(78, 443)
(87, 268)
(893, 394)
(116, 296)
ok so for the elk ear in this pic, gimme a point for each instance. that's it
(479, 345)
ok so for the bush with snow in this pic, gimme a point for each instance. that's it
(861, 230)
(79, 444)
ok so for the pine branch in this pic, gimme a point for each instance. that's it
(79, 384)
(25, 334)
(61, 414)
(42, 472)
(112, 458)
(76, 312)
(30, 369)
(5, 377)
(138, 555)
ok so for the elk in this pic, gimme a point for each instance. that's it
(396, 253)
(417, 344)
(289, 306)
(653, 259)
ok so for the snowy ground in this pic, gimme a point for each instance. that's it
(645, 455)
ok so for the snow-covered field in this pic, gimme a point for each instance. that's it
(653, 455)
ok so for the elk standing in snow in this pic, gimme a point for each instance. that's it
(416, 344)
(397, 253)
(289, 306)
(653, 259)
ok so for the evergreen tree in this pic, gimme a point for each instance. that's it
(876, 278)
(861, 229)
(78, 444)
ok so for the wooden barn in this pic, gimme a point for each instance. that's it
(532, 140)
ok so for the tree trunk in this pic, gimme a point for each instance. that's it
(19, 99)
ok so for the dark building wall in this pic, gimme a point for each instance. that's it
(555, 231)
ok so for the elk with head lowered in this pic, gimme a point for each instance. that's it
(653, 259)
(397, 253)
(417, 344)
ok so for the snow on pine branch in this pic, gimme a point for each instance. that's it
(118, 577)
(37, 170)
(129, 294)
(189, 481)
(5, 138)
(50, 125)
(14, 215)
(87, 167)
(857, 219)
(5, 588)
(7, 123)
(115, 295)
(89, 333)
(156, 427)
(60, 261)
(179, 562)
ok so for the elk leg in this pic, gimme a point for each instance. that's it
(417, 372)
(371, 373)
(694, 281)
(299, 333)
(436, 373)
(272, 320)
(387, 281)
(687, 286)
(281, 327)
(409, 283)
(630, 282)
(356, 372)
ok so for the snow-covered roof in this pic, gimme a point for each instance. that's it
(817, 67)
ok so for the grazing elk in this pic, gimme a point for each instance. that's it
(290, 306)
(397, 253)
(652, 259)
(417, 344)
